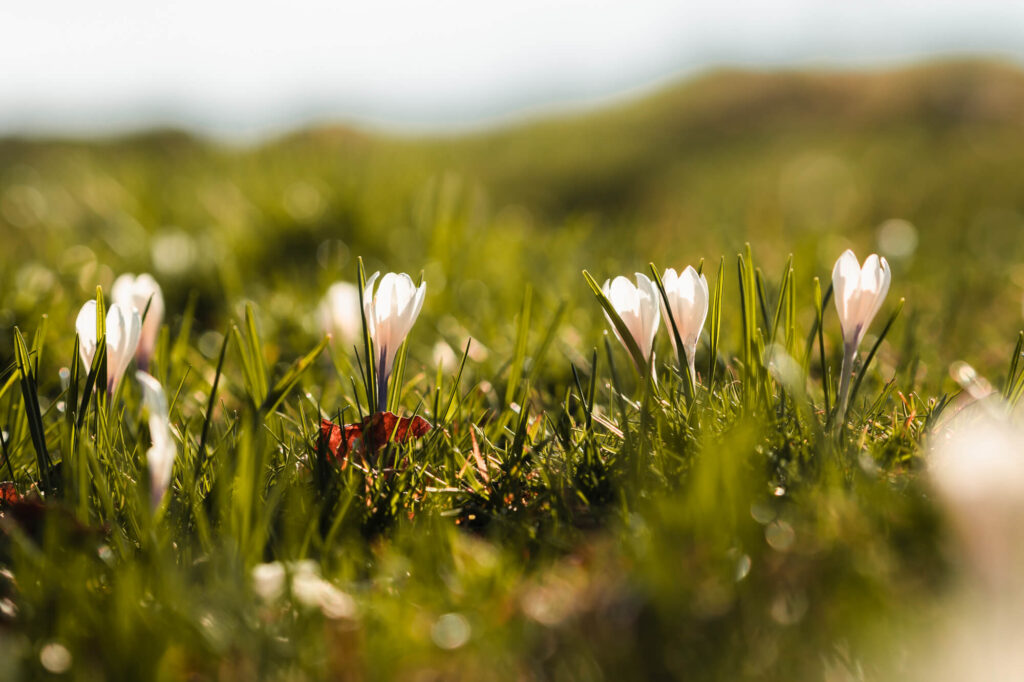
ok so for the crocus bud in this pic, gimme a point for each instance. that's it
(390, 313)
(859, 293)
(124, 327)
(688, 297)
(140, 292)
(638, 307)
(161, 454)
(339, 313)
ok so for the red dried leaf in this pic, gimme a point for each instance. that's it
(8, 493)
(373, 433)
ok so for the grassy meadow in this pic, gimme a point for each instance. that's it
(565, 519)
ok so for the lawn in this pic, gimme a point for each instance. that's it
(572, 512)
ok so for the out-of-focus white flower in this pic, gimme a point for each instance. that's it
(390, 311)
(859, 293)
(977, 468)
(140, 292)
(444, 357)
(162, 453)
(124, 328)
(688, 299)
(312, 591)
(637, 305)
(977, 471)
(268, 580)
(339, 313)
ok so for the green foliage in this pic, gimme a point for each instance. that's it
(562, 520)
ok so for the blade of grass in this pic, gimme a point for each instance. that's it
(286, 383)
(370, 375)
(30, 395)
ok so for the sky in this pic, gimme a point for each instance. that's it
(247, 68)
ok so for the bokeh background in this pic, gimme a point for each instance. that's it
(251, 152)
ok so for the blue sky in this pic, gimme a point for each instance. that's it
(246, 69)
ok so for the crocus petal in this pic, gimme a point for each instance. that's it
(85, 324)
(637, 306)
(145, 295)
(161, 455)
(124, 328)
(845, 284)
(621, 293)
(688, 299)
(875, 278)
(649, 312)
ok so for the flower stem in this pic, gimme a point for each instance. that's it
(846, 374)
(382, 382)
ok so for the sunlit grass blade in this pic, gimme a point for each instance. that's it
(398, 378)
(180, 346)
(291, 378)
(211, 403)
(102, 380)
(370, 375)
(29, 392)
(444, 415)
(715, 323)
(782, 306)
(519, 353)
(819, 311)
(258, 365)
(820, 302)
(1015, 378)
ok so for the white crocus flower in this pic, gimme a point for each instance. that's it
(859, 293)
(140, 292)
(124, 328)
(688, 298)
(390, 313)
(339, 313)
(637, 305)
(977, 472)
(160, 456)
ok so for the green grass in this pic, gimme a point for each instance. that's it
(565, 519)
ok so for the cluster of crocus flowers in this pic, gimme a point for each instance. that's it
(859, 292)
(390, 311)
(641, 307)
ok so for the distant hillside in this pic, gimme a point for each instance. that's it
(613, 158)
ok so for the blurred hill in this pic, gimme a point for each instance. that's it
(922, 164)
